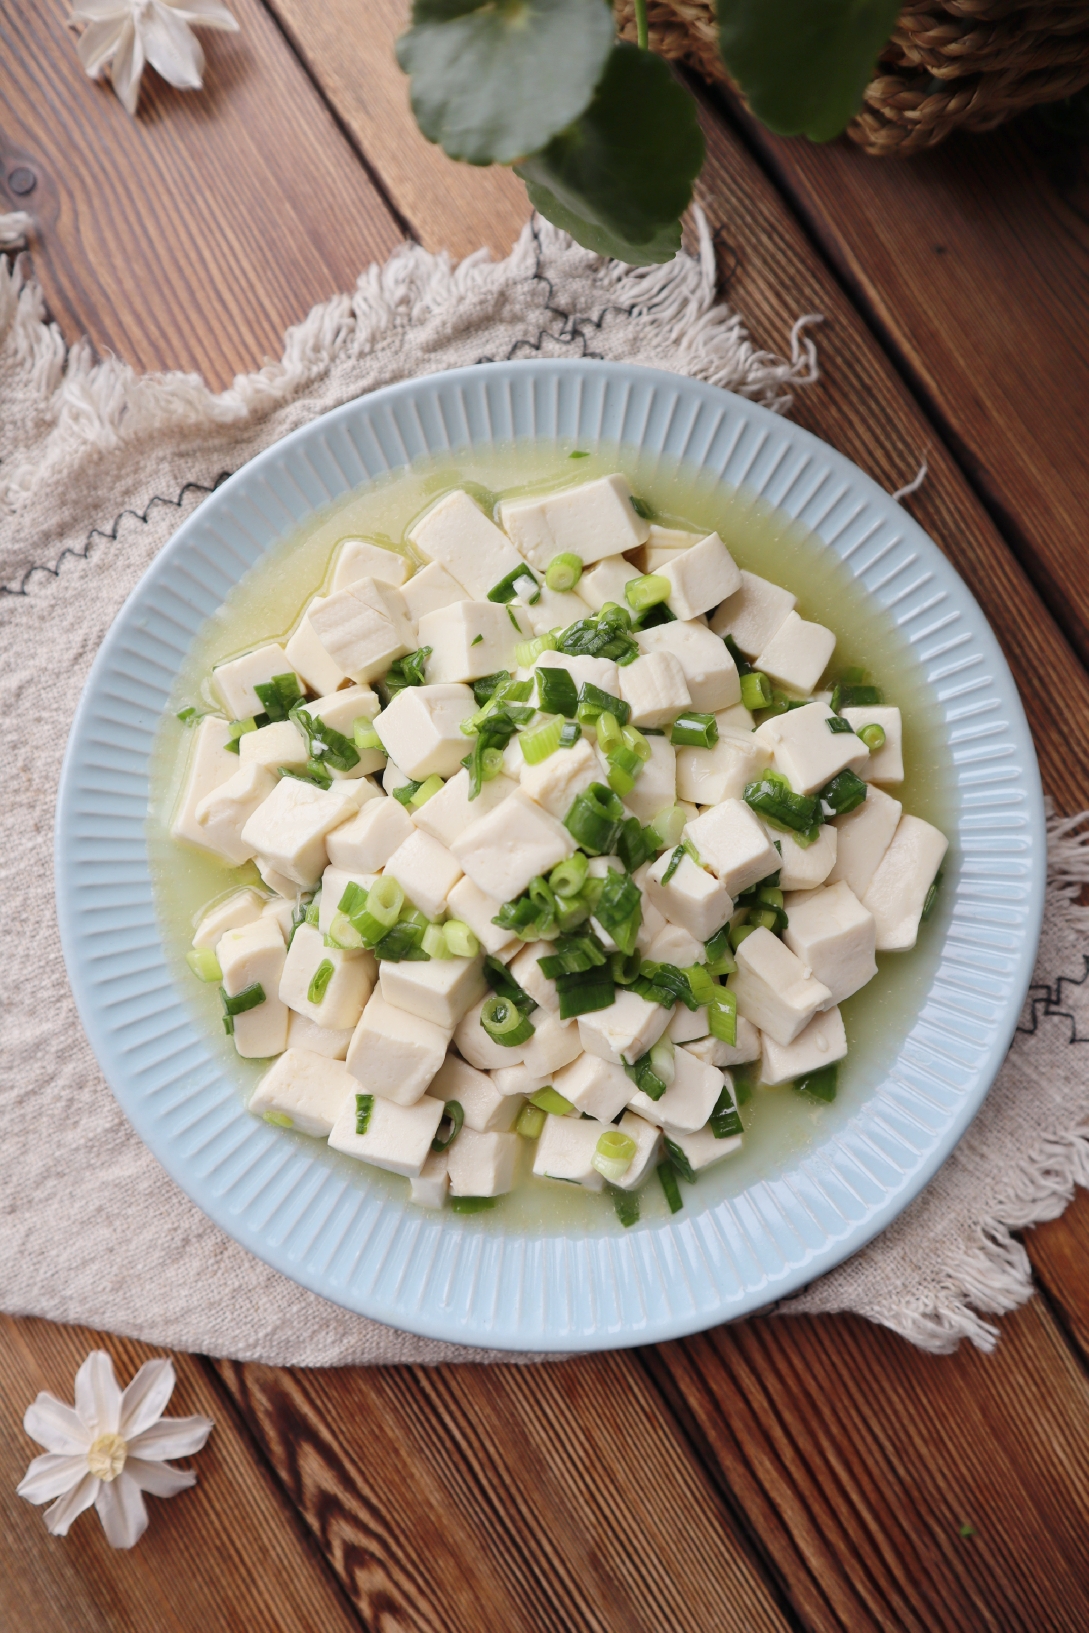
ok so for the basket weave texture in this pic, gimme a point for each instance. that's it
(950, 64)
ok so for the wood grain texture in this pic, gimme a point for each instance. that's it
(449, 206)
(227, 1556)
(192, 236)
(548, 1499)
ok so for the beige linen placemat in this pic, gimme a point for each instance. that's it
(98, 465)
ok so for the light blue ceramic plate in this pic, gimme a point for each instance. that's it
(467, 1279)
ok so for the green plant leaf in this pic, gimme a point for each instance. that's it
(804, 64)
(621, 176)
(494, 81)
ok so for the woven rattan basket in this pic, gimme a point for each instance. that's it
(950, 64)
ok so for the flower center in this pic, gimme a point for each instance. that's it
(106, 1456)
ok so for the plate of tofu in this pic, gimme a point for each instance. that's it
(595, 851)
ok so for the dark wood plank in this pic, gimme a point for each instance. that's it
(554, 1499)
(192, 236)
(227, 1556)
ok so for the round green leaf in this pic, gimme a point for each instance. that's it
(804, 64)
(662, 247)
(625, 168)
(492, 82)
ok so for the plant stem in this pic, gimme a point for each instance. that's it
(641, 24)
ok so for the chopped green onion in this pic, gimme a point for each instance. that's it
(280, 695)
(873, 736)
(694, 729)
(342, 933)
(472, 1204)
(583, 994)
(772, 798)
(249, 998)
(668, 826)
(237, 729)
(722, 1016)
(544, 740)
(928, 904)
(626, 1204)
(531, 1122)
(594, 702)
(755, 690)
(278, 1119)
(486, 686)
(635, 740)
(646, 592)
(502, 981)
(556, 691)
(353, 899)
(763, 918)
(404, 943)
(679, 1161)
(385, 899)
(725, 1119)
(663, 1061)
(613, 1154)
(204, 964)
(625, 967)
(624, 769)
(844, 793)
(571, 911)
(741, 662)
(504, 1022)
(594, 819)
(319, 981)
(547, 1099)
(520, 581)
(314, 909)
(672, 1190)
(720, 960)
(526, 653)
(820, 1085)
(702, 987)
(460, 940)
(452, 1110)
(836, 726)
(407, 671)
(434, 942)
(564, 571)
(427, 790)
(608, 732)
(620, 909)
(740, 931)
(514, 620)
(605, 635)
(476, 640)
(567, 878)
(365, 737)
(578, 453)
(189, 715)
(851, 695)
(571, 955)
(570, 732)
(635, 844)
(674, 863)
(364, 1105)
(403, 795)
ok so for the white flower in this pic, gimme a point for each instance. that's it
(110, 1449)
(127, 34)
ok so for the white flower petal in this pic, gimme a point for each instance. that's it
(67, 1508)
(122, 1510)
(97, 44)
(159, 1478)
(51, 1476)
(172, 1437)
(145, 1398)
(52, 1424)
(172, 49)
(98, 1399)
(127, 67)
(204, 13)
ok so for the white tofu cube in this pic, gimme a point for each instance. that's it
(526, 970)
(707, 776)
(898, 890)
(365, 843)
(595, 1086)
(222, 814)
(648, 1144)
(283, 887)
(553, 609)
(797, 654)
(748, 1047)
(709, 671)
(235, 681)
(303, 1090)
(822, 1042)
(342, 709)
(309, 659)
(834, 935)
(553, 783)
(421, 729)
(210, 765)
(425, 871)
(428, 1188)
(554, 1044)
(273, 746)
(625, 1031)
(885, 764)
(359, 558)
(348, 987)
(693, 898)
(585, 670)
(431, 589)
(469, 904)
(397, 1137)
(703, 1150)
(652, 922)
(486, 1108)
(687, 1025)
(440, 990)
(591, 521)
(733, 843)
(502, 851)
(241, 907)
(656, 785)
(395, 1054)
(288, 829)
(655, 687)
(255, 955)
(481, 1050)
(862, 838)
(806, 752)
(566, 1149)
(606, 582)
(806, 867)
(737, 719)
(447, 814)
(754, 614)
(700, 577)
(364, 628)
(662, 546)
(483, 1164)
(675, 945)
(515, 1082)
(467, 640)
(688, 1101)
(457, 534)
(774, 989)
(319, 1040)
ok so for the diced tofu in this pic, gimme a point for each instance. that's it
(504, 850)
(885, 764)
(653, 921)
(398, 1137)
(688, 1025)
(364, 628)
(703, 1150)
(432, 589)
(342, 709)
(675, 945)
(469, 904)
(822, 1042)
(482, 1051)
(585, 670)
(834, 935)
(656, 785)
(457, 534)
(235, 681)
(483, 1164)
(595, 1086)
(554, 609)
(774, 988)
(515, 1082)
(733, 843)
(862, 838)
(210, 765)
(526, 970)
(700, 577)
(648, 1140)
(737, 719)
(281, 912)
(356, 790)
(289, 828)
(309, 659)
(553, 783)
(280, 744)
(429, 1187)
(707, 776)
(804, 868)
(688, 1101)
(554, 1044)
(897, 892)
(693, 898)
(283, 886)
(754, 614)
(306, 1089)
(606, 582)
(486, 1108)
(426, 872)
(349, 985)
(655, 687)
(467, 640)
(447, 814)
(319, 1040)
(366, 842)
(241, 907)
(709, 671)
(359, 558)
(797, 654)
(421, 729)
(222, 814)
(566, 1149)
(662, 546)
(624, 1031)
(716, 1053)
(806, 752)
(255, 955)
(395, 1054)
(440, 990)
(591, 521)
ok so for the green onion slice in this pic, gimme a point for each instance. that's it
(613, 1154)
(570, 732)
(434, 942)
(679, 1161)
(564, 571)
(836, 725)
(556, 691)
(472, 1204)
(694, 729)
(452, 1111)
(844, 793)
(526, 653)
(725, 1119)
(755, 690)
(851, 695)
(280, 695)
(873, 736)
(548, 1099)
(249, 998)
(626, 1204)
(204, 963)
(646, 592)
(819, 1085)
(520, 581)
(594, 819)
(567, 878)
(460, 940)
(585, 993)
(928, 904)
(365, 737)
(722, 1017)
(594, 702)
(544, 740)
(504, 1022)
(319, 982)
(364, 1105)
(427, 790)
(531, 1122)
(620, 910)
(672, 1191)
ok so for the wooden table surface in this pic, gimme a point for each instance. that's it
(776, 1474)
